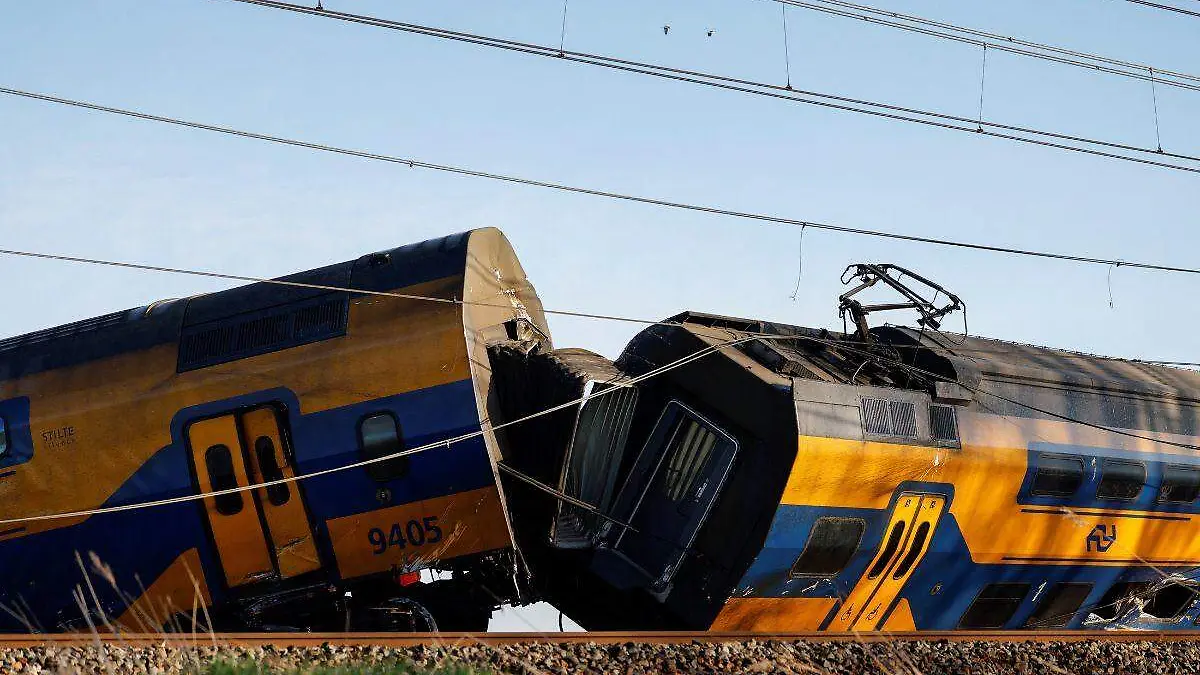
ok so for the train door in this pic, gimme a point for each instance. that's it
(906, 540)
(282, 504)
(689, 459)
(264, 533)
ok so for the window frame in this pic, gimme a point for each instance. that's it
(1194, 594)
(1037, 469)
(979, 596)
(1105, 464)
(862, 531)
(1163, 482)
(386, 470)
(1043, 623)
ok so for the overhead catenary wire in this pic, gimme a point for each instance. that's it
(487, 427)
(446, 443)
(654, 201)
(1168, 8)
(476, 303)
(995, 41)
(1040, 137)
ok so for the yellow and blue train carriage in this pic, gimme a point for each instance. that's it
(256, 384)
(1031, 488)
(803, 480)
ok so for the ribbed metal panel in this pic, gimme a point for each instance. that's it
(875, 417)
(943, 425)
(242, 336)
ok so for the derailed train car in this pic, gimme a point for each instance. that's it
(897, 479)
(253, 385)
(722, 473)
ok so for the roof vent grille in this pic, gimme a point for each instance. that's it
(270, 330)
(943, 424)
(882, 417)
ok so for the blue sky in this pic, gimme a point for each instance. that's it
(87, 184)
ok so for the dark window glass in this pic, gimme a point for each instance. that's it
(831, 544)
(3, 438)
(1117, 593)
(1058, 475)
(889, 551)
(994, 606)
(1058, 605)
(1180, 484)
(379, 436)
(914, 550)
(691, 447)
(264, 449)
(1121, 480)
(219, 462)
(1171, 601)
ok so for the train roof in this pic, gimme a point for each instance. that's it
(164, 322)
(836, 356)
(1001, 359)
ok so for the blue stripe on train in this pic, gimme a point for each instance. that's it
(143, 542)
(945, 582)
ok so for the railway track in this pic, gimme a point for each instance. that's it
(308, 640)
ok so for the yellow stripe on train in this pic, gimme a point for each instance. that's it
(986, 480)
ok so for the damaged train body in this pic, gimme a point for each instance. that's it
(888, 479)
(257, 385)
(292, 457)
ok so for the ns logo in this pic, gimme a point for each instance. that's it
(1100, 539)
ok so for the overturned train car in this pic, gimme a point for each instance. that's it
(261, 384)
(795, 479)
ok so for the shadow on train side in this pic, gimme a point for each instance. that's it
(788, 479)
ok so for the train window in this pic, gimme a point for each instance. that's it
(3, 438)
(1059, 605)
(692, 445)
(219, 462)
(1116, 596)
(1058, 475)
(831, 544)
(264, 449)
(914, 549)
(889, 551)
(1171, 601)
(1180, 484)
(379, 436)
(1121, 481)
(994, 605)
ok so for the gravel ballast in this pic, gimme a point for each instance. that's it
(926, 657)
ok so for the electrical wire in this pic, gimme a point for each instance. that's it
(653, 201)
(1040, 137)
(486, 428)
(1004, 43)
(1168, 8)
(475, 303)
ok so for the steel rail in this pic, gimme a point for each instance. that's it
(25, 641)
